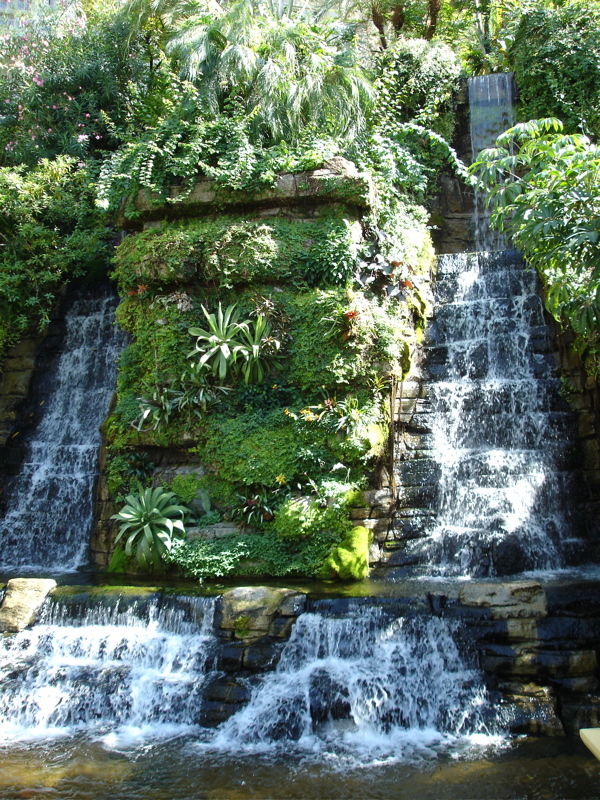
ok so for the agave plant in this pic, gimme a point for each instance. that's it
(219, 344)
(150, 520)
(259, 351)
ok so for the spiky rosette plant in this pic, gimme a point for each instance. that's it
(150, 519)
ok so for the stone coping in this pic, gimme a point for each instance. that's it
(337, 181)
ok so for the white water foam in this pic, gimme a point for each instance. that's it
(123, 675)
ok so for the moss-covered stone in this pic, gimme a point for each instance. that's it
(350, 559)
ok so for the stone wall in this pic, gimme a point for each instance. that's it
(15, 381)
(581, 390)
(539, 649)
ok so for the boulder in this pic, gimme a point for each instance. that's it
(250, 611)
(23, 599)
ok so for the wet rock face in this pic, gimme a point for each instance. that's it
(252, 623)
(538, 648)
(23, 599)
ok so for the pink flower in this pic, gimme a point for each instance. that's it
(82, 137)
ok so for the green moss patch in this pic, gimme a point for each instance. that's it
(350, 559)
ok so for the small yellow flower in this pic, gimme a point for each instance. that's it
(280, 479)
(286, 411)
(274, 386)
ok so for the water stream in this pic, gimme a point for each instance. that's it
(501, 435)
(491, 113)
(47, 523)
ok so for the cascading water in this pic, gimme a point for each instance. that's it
(48, 519)
(491, 112)
(114, 672)
(501, 433)
(370, 682)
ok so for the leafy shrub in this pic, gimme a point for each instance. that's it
(555, 55)
(301, 518)
(416, 82)
(187, 488)
(49, 232)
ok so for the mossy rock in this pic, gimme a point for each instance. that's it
(350, 559)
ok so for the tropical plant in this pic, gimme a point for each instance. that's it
(543, 189)
(259, 353)
(230, 346)
(286, 69)
(219, 345)
(191, 395)
(150, 520)
(254, 507)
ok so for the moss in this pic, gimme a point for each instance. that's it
(350, 559)
(355, 498)
(232, 251)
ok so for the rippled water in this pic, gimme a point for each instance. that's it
(79, 769)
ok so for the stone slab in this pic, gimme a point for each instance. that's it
(506, 600)
(23, 599)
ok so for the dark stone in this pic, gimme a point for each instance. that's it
(509, 556)
(281, 627)
(327, 697)
(226, 690)
(262, 654)
(212, 713)
(581, 713)
(229, 657)
(418, 472)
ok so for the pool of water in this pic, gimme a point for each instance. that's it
(182, 769)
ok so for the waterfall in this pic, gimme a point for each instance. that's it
(368, 682)
(109, 669)
(501, 434)
(48, 519)
(371, 683)
(491, 113)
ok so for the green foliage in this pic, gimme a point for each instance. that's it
(49, 232)
(186, 143)
(416, 83)
(120, 562)
(286, 72)
(212, 558)
(303, 517)
(543, 187)
(350, 559)
(219, 345)
(123, 470)
(187, 488)
(65, 89)
(555, 55)
(255, 508)
(150, 520)
(233, 251)
(228, 346)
